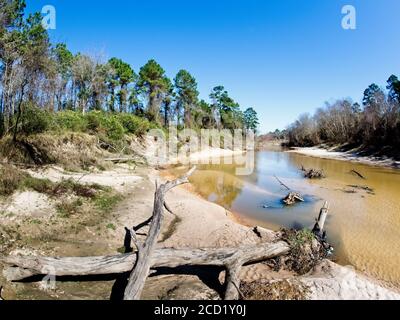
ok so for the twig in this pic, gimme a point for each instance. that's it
(282, 183)
(358, 174)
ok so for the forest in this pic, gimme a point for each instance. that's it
(44, 86)
(374, 125)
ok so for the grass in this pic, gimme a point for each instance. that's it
(300, 238)
(111, 227)
(69, 208)
(304, 255)
(275, 290)
(106, 202)
(13, 179)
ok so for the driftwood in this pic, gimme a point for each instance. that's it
(142, 267)
(358, 174)
(313, 173)
(318, 229)
(281, 183)
(230, 258)
(364, 188)
(292, 198)
(124, 160)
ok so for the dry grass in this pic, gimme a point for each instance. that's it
(305, 250)
(73, 151)
(275, 290)
(10, 180)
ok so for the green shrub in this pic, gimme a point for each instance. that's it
(39, 185)
(114, 129)
(102, 123)
(70, 120)
(134, 124)
(94, 120)
(34, 120)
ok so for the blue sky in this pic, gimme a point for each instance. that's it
(281, 57)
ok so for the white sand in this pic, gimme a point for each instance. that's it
(26, 204)
(346, 156)
(119, 178)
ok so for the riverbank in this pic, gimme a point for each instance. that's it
(325, 152)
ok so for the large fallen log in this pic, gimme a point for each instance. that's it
(23, 267)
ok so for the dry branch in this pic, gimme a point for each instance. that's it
(143, 263)
(358, 174)
(281, 183)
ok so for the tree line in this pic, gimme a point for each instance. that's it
(373, 124)
(34, 73)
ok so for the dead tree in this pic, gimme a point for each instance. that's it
(141, 270)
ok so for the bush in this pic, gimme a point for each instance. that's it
(106, 124)
(10, 180)
(34, 120)
(114, 130)
(70, 120)
(94, 120)
(134, 124)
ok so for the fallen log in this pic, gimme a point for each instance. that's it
(23, 267)
(292, 198)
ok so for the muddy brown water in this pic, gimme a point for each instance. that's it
(363, 224)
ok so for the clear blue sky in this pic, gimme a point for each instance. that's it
(282, 57)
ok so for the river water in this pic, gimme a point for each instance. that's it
(363, 225)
